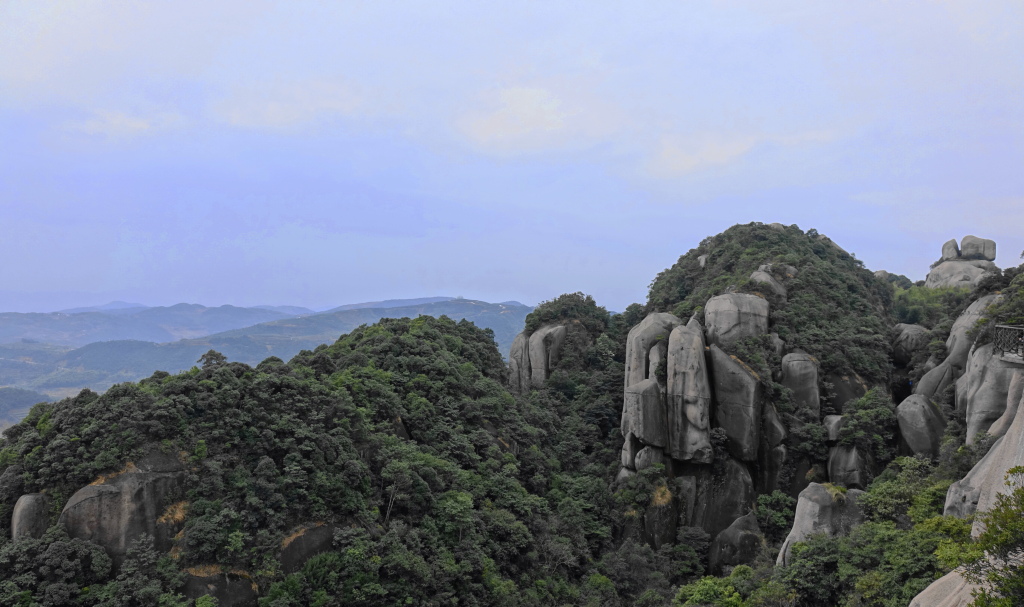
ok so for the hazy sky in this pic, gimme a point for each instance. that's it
(323, 153)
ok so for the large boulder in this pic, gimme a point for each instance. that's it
(819, 510)
(769, 282)
(909, 339)
(935, 381)
(642, 338)
(738, 394)
(833, 424)
(921, 425)
(950, 590)
(800, 374)
(630, 447)
(982, 391)
(735, 316)
(958, 344)
(972, 247)
(662, 516)
(950, 250)
(1014, 396)
(732, 496)
(519, 364)
(847, 466)
(847, 387)
(739, 544)
(977, 491)
(117, 509)
(643, 413)
(31, 516)
(958, 273)
(545, 347)
(689, 395)
(649, 456)
(771, 456)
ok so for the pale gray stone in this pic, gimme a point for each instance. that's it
(735, 316)
(950, 590)
(643, 413)
(31, 516)
(847, 466)
(957, 273)
(833, 424)
(738, 395)
(689, 395)
(769, 282)
(972, 247)
(519, 364)
(545, 348)
(950, 250)
(800, 374)
(649, 456)
(909, 340)
(982, 391)
(651, 330)
(818, 512)
(921, 425)
(738, 544)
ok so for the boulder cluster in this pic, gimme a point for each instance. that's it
(963, 265)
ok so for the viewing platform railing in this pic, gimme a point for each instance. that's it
(1009, 341)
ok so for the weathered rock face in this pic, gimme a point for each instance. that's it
(738, 394)
(519, 363)
(950, 250)
(934, 382)
(1014, 396)
(847, 387)
(735, 316)
(909, 339)
(772, 453)
(662, 516)
(116, 511)
(977, 491)
(958, 345)
(643, 413)
(958, 273)
(848, 467)
(950, 590)
(769, 282)
(545, 347)
(689, 395)
(818, 512)
(972, 247)
(649, 456)
(229, 589)
(833, 424)
(737, 545)
(921, 425)
(31, 516)
(652, 330)
(630, 447)
(305, 543)
(732, 496)
(983, 389)
(800, 374)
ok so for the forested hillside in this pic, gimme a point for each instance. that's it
(401, 465)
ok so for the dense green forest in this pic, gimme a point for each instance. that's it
(442, 487)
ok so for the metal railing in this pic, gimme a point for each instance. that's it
(1009, 340)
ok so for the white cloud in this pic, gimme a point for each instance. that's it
(522, 113)
(120, 124)
(289, 105)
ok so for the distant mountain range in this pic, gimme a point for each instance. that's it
(57, 355)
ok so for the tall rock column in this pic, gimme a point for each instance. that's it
(800, 374)
(735, 316)
(545, 347)
(738, 395)
(689, 395)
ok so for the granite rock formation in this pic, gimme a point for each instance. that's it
(689, 395)
(817, 511)
(963, 266)
(800, 374)
(737, 545)
(909, 340)
(981, 392)
(738, 396)
(921, 425)
(735, 316)
(31, 516)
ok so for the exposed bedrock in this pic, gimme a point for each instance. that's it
(847, 387)
(545, 347)
(972, 247)
(958, 273)
(847, 466)
(982, 391)
(977, 491)
(31, 516)
(935, 381)
(642, 338)
(519, 363)
(769, 282)
(1014, 395)
(630, 447)
(909, 340)
(921, 425)
(738, 544)
(817, 511)
(833, 424)
(732, 496)
(115, 511)
(643, 413)
(800, 374)
(305, 543)
(951, 250)
(688, 395)
(958, 344)
(950, 590)
(649, 456)
(735, 316)
(738, 395)
(771, 454)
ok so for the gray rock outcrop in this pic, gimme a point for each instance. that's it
(847, 466)
(689, 395)
(771, 456)
(652, 332)
(738, 394)
(117, 509)
(1014, 395)
(833, 424)
(305, 543)
(545, 348)
(630, 447)
(935, 381)
(31, 516)
(800, 374)
(649, 456)
(921, 425)
(770, 282)
(643, 413)
(909, 340)
(847, 387)
(519, 364)
(950, 590)
(732, 496)
(735, 316)
(739, 544)
(982, 391)
(950, 250)
(817, 511)
(977, 491)
(958, 344)
(972, 247)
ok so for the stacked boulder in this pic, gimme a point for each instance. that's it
(533, 355)
(963, 265)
